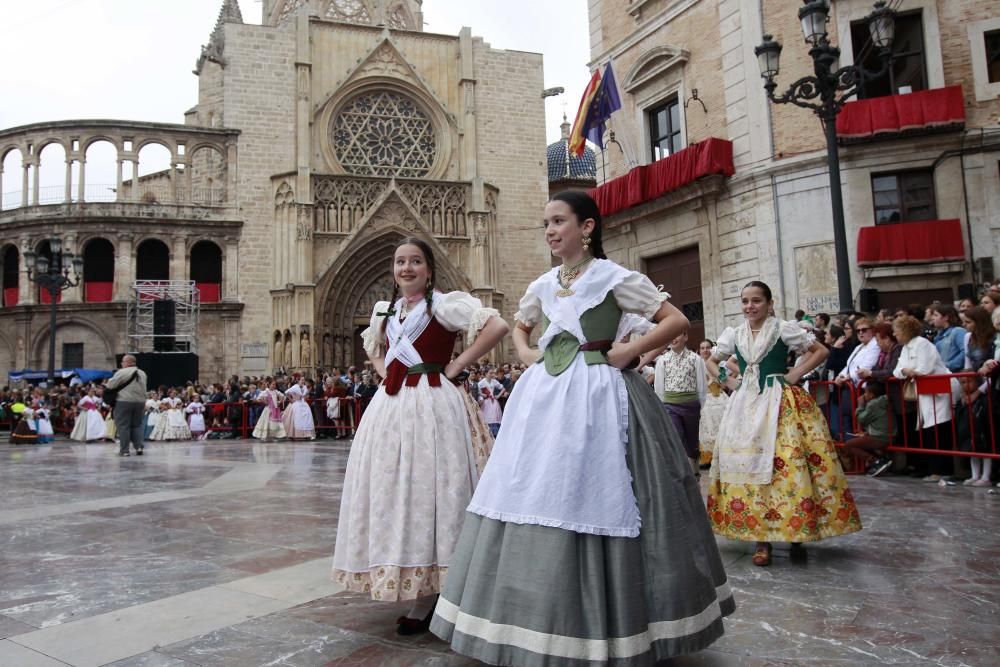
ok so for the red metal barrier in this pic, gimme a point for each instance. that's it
(946, 438)
(343, 426)
(824, 391)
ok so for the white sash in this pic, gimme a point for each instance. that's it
(749, 427)
(401, 335)
(590, 290)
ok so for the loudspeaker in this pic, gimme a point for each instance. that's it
(985, 269)
(868, 300)
(164, 325)
(967, 291)
(172, 369)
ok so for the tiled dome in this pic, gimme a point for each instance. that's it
(563, 165)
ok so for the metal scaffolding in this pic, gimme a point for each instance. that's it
(179, 304)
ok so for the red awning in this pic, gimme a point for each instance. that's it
(95, 292)
(647, 182)
(911, 243)
(210, 292)
(10, 296)
(893, 114)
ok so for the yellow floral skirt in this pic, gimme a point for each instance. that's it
(807, 499)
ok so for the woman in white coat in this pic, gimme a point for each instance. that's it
(920, 358)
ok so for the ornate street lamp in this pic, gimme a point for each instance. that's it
(63, 271)
(825, 94)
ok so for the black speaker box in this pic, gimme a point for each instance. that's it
(967, 291)
(868, 300)
(172, 369)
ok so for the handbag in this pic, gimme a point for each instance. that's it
(910, 390)
(110, 396)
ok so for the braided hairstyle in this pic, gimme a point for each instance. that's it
(584, 206)
(428, 254)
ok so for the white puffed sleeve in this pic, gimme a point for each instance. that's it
(725, 347)
(637, 294)
(795, 337)
(460, 311)
(633, 325)
(529, 310)
(373, 338)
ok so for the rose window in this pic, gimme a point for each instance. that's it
(383, 134)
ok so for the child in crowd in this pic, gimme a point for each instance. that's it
(873, 417)
(196, 418)
(490, 406)
(971, 426)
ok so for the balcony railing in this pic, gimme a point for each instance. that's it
(921, 242)
(925, 111)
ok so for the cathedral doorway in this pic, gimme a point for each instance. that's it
(680, 274)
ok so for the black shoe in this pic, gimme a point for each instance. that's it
(798, 552)
(406, 626)
(880, 467)
(138, 452)
(123, 454)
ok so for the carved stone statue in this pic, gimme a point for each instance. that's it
(305, 350)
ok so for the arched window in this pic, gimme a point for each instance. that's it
(98, 271)
(152, 261)
(11, 258)
(43, 250)
(206, 270)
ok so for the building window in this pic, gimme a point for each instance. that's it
(384, 133)
(903, 197)
(991, 41)
(72, 355)
(665, 129)
(907, 65)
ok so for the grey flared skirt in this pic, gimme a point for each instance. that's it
(530, 595)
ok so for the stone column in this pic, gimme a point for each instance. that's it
(69, 182)
(72, 294)
(178, 258)
(124, 266)
(231, 268)
(25, 167)
(479, 266)
(118, 181)
(468, 83)
(27, 291)
(35, 185)
(83, 180)
(134, 192)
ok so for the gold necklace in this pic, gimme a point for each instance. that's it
(568, 275)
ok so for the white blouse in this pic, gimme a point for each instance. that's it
(456, 311)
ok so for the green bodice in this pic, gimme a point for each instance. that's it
(598, 323)
(772, 363)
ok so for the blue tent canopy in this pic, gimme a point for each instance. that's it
(85, 374)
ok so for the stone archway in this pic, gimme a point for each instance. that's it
(356, 282)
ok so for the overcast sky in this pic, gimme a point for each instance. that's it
(132, 59)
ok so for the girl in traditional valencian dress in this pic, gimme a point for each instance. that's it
(43, 425)
(297, 417)
(715, 404)
(775, 474)
(412, 467)
(89, 423)
(196, 418)
(587, 540)
(171, 425)
(269, 426)
(152, 415)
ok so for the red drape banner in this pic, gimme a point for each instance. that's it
(43, 297)
(95, 292)
(911, 243)
(10, 296)
(210, 292)
(647, 182)
(940, 107)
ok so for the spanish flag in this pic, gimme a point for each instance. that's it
(599, 101)
(577, 140)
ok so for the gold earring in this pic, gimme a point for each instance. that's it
(586, 242)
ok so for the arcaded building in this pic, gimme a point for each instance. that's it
(320, 138)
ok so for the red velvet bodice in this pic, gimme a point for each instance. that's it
(435, 345)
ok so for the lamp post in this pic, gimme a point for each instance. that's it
(55, 275)
(825, 93)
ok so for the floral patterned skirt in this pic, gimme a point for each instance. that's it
(807, 499)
